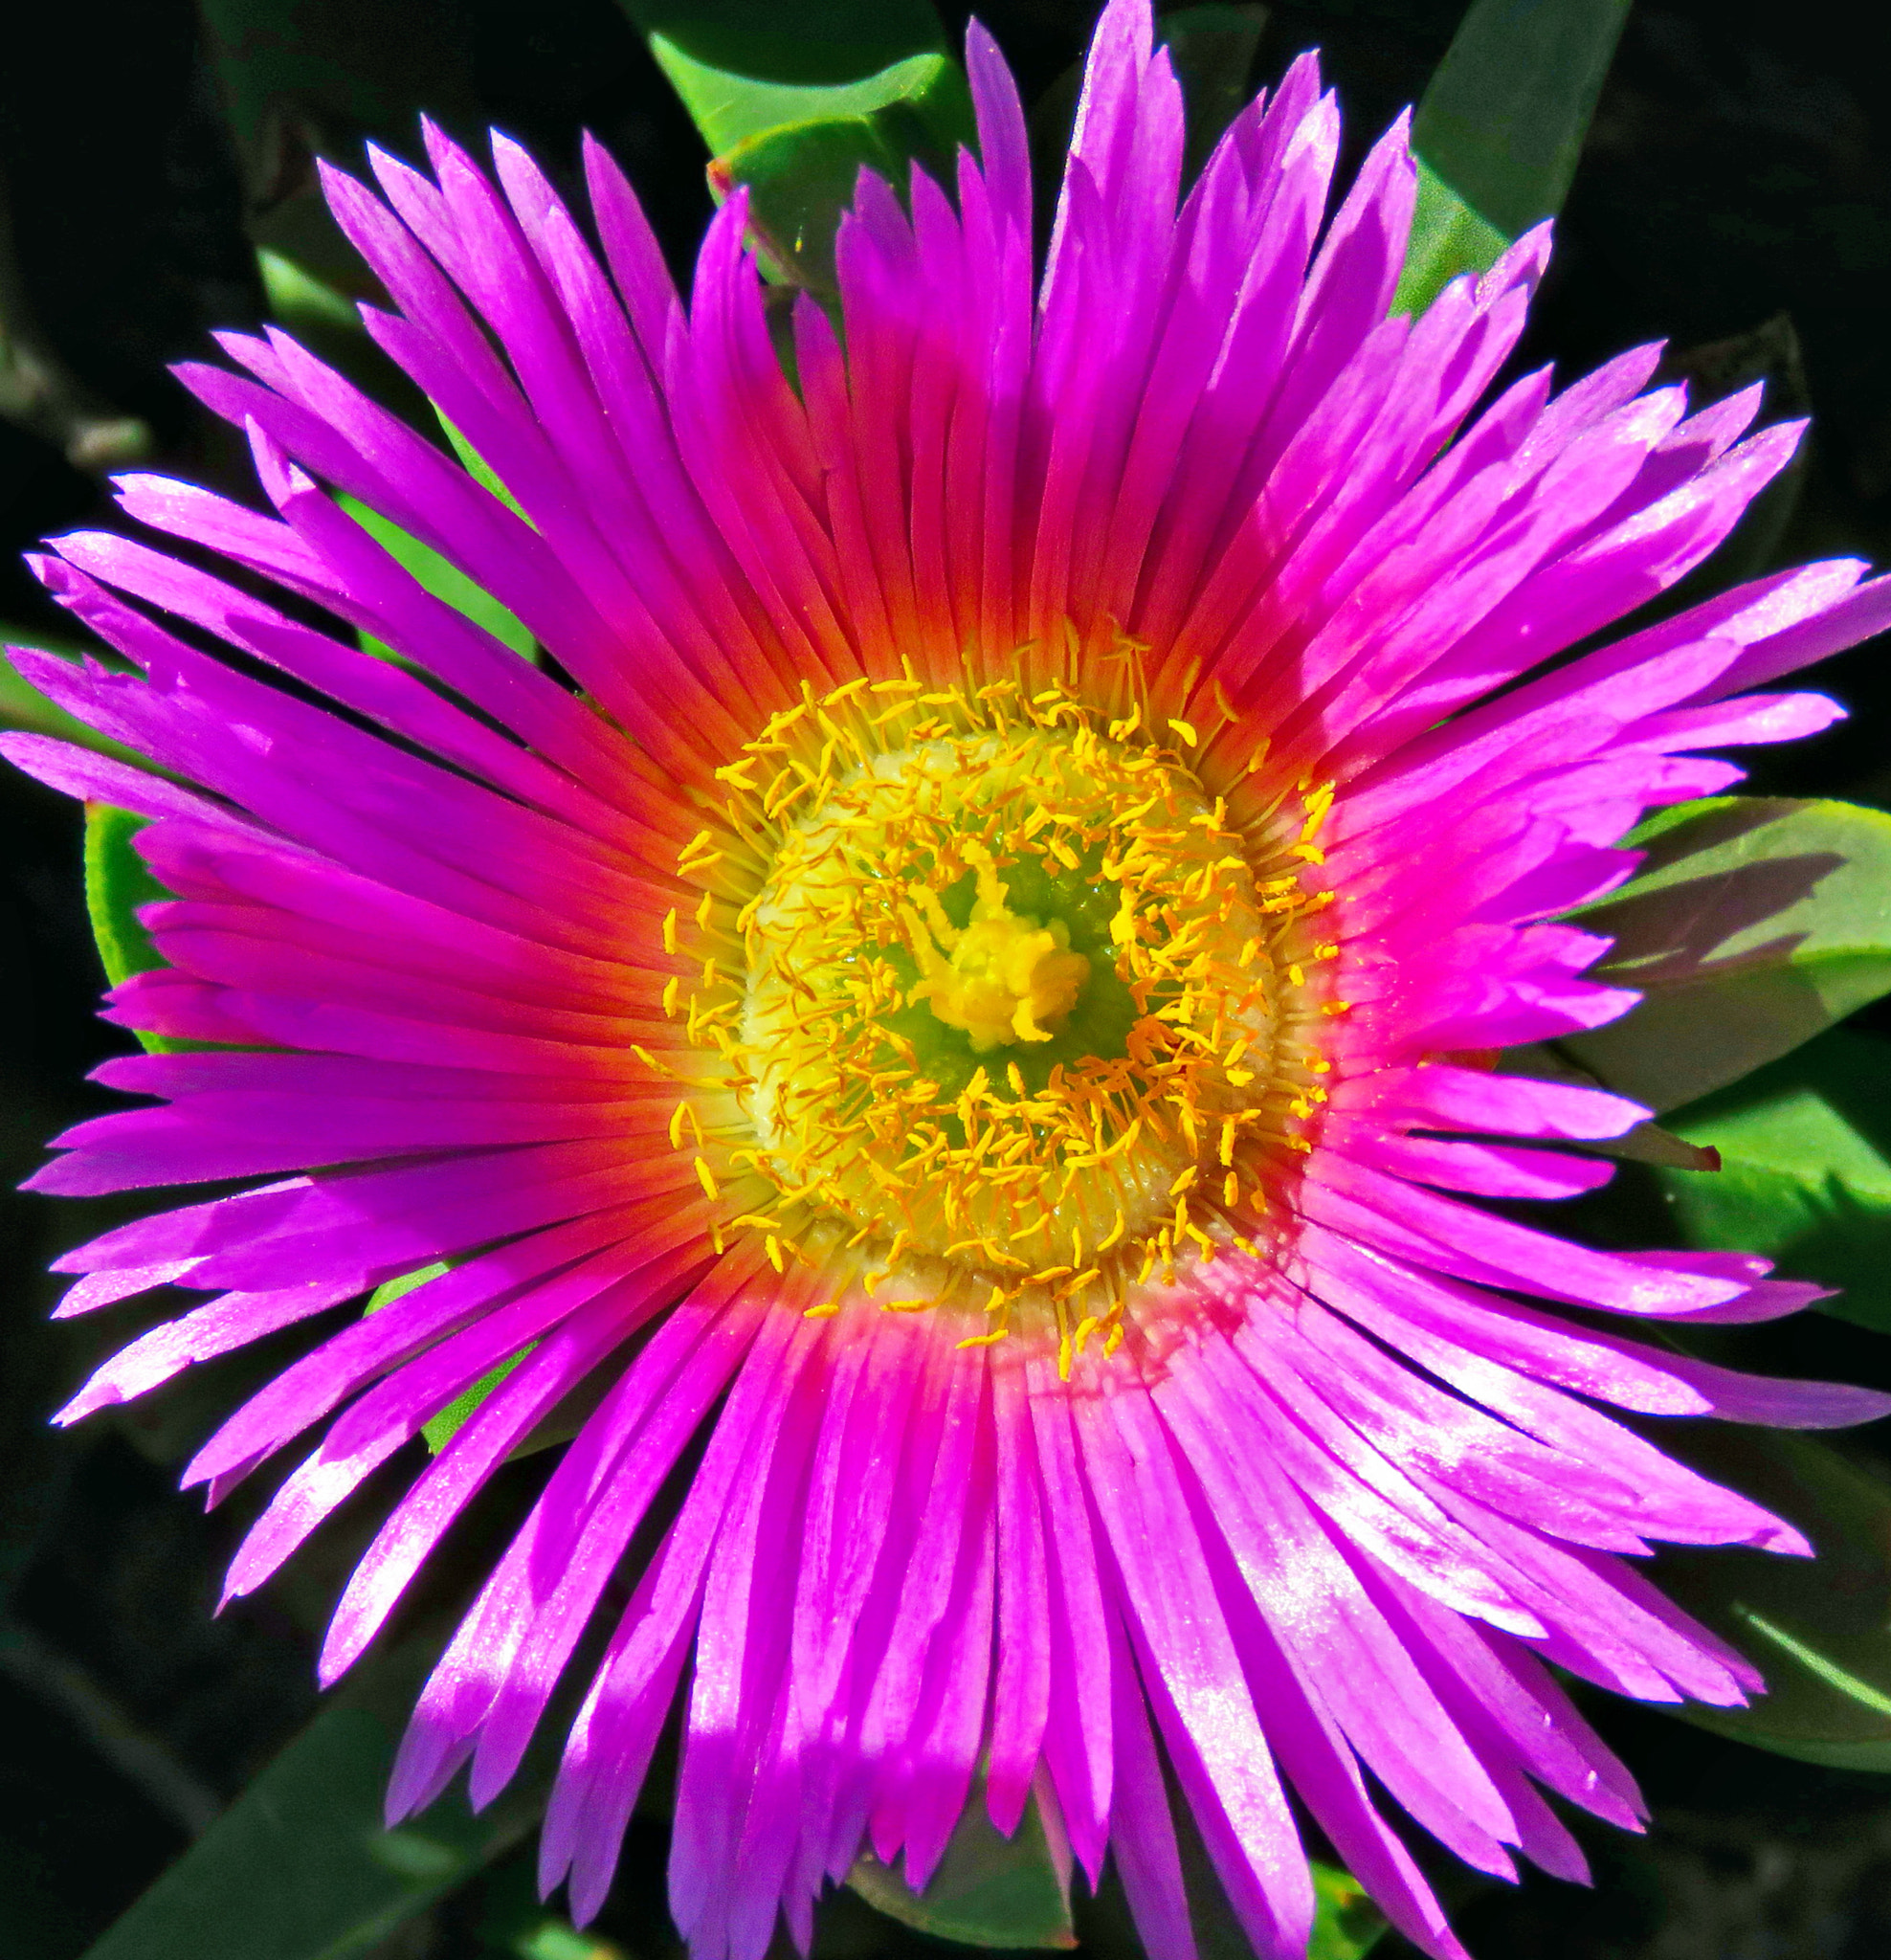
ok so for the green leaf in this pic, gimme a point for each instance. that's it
(302, 303)
(1771, 354)
(444, 580)
(560, 1423)
(988, 1891)
(743, 67)
(1647, 1143)
(1819, 1631)
(1347, 1925)
(302, 79)
(23, 706)
(1213, 49)
(117, 883)
(482, 471)
(299, 1867)
(305, 78)
(1500, 130)
(794, 107)
(39, 392)
(1805, 1149)
(558, 1939)
(1754, 924)
(442, 1428)
(800, 178)
(1345, 1922)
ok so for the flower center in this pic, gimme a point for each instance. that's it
(1003, 999)
(1003, 977)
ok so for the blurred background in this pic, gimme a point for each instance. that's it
(1734, 200)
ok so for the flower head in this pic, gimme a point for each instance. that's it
(958, 994)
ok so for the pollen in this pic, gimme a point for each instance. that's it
(976, 967)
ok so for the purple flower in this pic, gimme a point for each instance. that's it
(968, 1005)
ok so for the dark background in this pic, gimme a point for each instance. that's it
(1734, 200)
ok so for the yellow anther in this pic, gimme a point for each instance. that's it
(670, 930)
(707, 1177)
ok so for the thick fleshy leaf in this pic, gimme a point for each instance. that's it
(1821, 1632)
(324, 318)
(451, 1419)
(1647, 1143)
(988, 1891)
(1347, 1925)
(301, 81)
(483, 471)
(560, 1423)
(743, 67)
(40, 392)
(801, 177)
(23, 706)
(116, 883)
(310, 307)
(1754, 924)
(1500, 130)
(298, 81)
(1213, 49)
(512, 1922)
(558, 1939)
(1805, 1149)
(444, 580)
(1769, 355)
(299, 1867)
(794, 107)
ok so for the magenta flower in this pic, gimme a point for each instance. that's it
(974, 1000)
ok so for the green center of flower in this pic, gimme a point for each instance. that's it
(1001, 1004)
(1002, 977)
